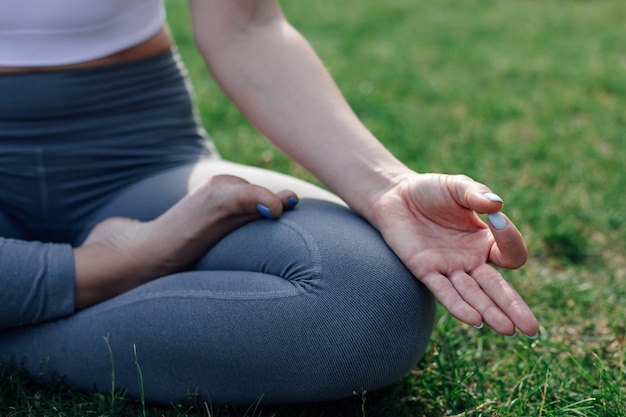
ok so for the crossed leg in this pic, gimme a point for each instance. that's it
(309, 306)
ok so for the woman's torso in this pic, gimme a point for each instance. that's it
(65, 34)
(74, 135)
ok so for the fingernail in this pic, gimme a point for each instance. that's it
(533, 336)
(493, 197)
(497, 220)
(264, 211)
(512, 335)
(480, 326)
(292, 201)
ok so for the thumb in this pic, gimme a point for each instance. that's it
(509, 249)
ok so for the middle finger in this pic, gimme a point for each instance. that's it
(507, 299)
(475, 295)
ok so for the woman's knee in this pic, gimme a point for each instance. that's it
(374, 317)
(384, 313)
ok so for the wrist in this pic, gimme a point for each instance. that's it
(378, 182)
(102, 272)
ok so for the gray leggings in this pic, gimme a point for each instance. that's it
(308, 307)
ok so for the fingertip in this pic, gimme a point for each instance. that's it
(269, 204)
(497, 220)
(493, 197)
(531, 331)
(482, 201)
(509, 250)
(500, 323)
(288, 198)
(264, 211)
(505, 328)
(468, 315)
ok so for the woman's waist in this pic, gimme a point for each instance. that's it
(118, 88)
(140, 130)
(156, 44)
(131, 104)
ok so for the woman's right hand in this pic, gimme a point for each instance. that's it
(120, 253)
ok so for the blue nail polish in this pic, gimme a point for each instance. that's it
(264, 211)
(533, 336)
(497, 220)
(512, 335)
(493, 197)
(292, 201)
(480, 326)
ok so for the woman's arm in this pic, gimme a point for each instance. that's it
(273, 75)
(275, 78)
(37, 282)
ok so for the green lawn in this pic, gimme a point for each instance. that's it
(526, 96)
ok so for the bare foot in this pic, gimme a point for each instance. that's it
(121, 253)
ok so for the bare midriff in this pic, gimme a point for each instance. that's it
(157, 44)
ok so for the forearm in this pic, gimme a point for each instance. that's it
(37, 282)
(273, 75)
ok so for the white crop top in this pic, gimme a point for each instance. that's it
(61, 32)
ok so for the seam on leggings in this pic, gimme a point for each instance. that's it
(305, 280)
(311, 280)
(115, 304)
(43, 184)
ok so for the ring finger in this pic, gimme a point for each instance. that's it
(475, 295)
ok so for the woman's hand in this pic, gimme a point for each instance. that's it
(430, 221)
(121, 253)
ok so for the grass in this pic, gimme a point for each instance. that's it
(526, 96)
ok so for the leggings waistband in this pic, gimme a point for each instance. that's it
(74, 91)
(113, 102)
(71, 140)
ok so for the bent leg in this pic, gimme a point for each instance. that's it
(309, 307)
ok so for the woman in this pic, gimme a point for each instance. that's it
(109, 260)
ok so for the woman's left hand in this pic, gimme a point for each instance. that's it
(430, 222)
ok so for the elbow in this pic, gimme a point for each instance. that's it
(220, 26)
